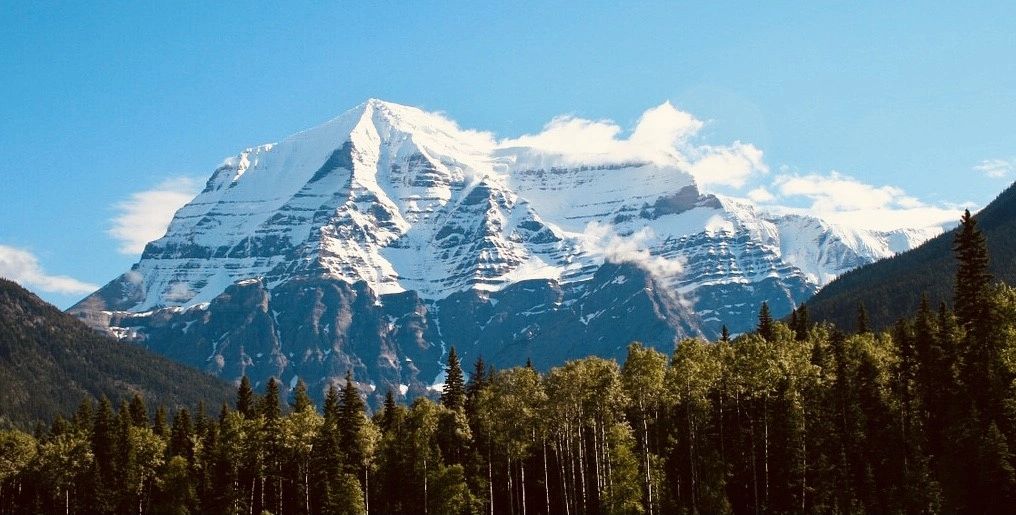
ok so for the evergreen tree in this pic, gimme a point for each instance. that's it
(104, 451)
(246, 402)
(180, 443)
(301, 400)
(453, 395)
(160, 426)
(268, 405)
(765, 322)
(351, 426)
(803, 324)
(83, 416)
(862, 319)
(724, 334)
(972, 276)
(388, 412)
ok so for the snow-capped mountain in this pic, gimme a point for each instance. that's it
(379, 238)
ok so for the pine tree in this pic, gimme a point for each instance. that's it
(351, 421)
(269, 404)
(765, 322)
(83, 416)
(328, 458)
(245, 398)
(862, 319)
(453, 395)
(180, 443)
(301, 401)
(104, 449)
(388, 412)
(803, 324)
(972, 276)
(724, 334)
(160, 426)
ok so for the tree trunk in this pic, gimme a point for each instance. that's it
(490, 482)
(645, 459)
(306, 487)
(511, 493)
(582, 469)
(563, 479)
(522, 483)
(426, 503)
(765, 421)
(546, 476)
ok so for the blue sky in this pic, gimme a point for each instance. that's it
(103, 101)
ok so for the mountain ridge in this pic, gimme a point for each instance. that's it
(405, 202)
(49, 362)
(891, 288)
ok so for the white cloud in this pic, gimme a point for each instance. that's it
(23, 267)
(663, 134)
(728, 166)
(761, 195)
(144, 216)
(845, 200)
(603, 240)
(997, 168)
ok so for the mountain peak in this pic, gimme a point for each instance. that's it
(406, 200)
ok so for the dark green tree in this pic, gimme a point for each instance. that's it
(765, 322)
(268, 405)
(246, 402)
(862, 319)
(301, 400)
(180, 443)
(453, 395)
(972, 276)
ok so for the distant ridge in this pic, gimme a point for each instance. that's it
(49, 362)
(892, 288)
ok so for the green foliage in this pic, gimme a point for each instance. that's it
(50, 361)
(453, 395)
(797, 418)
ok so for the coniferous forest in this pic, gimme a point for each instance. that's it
(794, 417)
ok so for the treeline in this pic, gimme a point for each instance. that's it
(794, 417)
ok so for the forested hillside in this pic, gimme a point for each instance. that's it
(49, 361)
(892, 288)
(791, 418)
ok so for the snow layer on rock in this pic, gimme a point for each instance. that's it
(406, 200)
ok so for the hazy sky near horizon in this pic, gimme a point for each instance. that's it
(112, 114)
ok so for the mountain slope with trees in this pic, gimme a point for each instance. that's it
(49, 361)
(892, 288)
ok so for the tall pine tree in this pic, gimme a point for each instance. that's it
(765, 322)
(453, 395)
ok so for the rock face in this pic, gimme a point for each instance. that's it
(374, 241)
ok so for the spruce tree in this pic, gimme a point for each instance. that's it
(160, 426)
(139, 414)
(351, 422)
(269, 404)
(724, 334)
(388, 412)
(301, 401)
(803, 323)
(83, 416)
(453, 395)
(246, 403)
(180, 443)
(862, 319)
(972, 276)
(765, 322)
